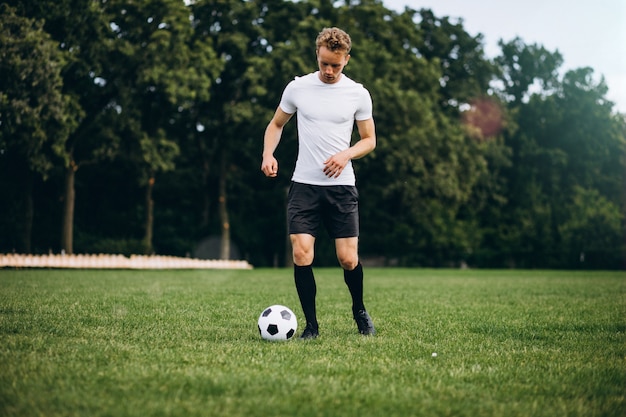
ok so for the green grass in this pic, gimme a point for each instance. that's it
(185, 343)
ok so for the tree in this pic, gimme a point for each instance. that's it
(568, 146)
(465, 71)
(234, 118)
(524, 66)
(159, 70)
(591, 232)
(81, 36)
(36, 118)
(592, 139)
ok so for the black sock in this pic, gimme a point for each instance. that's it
(307, 290)
(354, 281)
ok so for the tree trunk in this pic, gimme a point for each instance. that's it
(69, 201)
(206, 198)
(207, 151)
(149, 226)
(223, 209)
(25, 224)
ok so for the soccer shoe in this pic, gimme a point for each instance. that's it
(364, 323)
(309, 333)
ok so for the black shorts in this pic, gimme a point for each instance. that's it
(336, 206)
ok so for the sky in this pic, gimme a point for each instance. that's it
(587, 33)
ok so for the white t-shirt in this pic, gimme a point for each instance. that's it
(326, 116)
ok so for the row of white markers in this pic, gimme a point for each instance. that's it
(106, 261)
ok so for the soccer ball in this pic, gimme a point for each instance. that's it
(277, 323)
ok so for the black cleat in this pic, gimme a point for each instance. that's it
(309, 333)
(364, 323)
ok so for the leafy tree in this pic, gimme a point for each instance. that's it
(591, 134)
(592, 139)
(81, 35)
(524, 66)
(235, 117)
(158, 70)
(35, 116)
(465, 71)
(568, 145)
(591, 232)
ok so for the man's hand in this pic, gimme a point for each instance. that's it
(269, 166)
(333, 166)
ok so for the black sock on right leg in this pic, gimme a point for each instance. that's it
(307, 291)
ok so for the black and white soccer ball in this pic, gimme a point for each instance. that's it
(277, 323)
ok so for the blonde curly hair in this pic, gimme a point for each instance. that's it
(334, 39)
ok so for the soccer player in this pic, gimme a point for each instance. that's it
(323, 188)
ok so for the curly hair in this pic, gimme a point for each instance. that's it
(334, 39)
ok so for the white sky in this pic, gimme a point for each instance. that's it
(587, 33)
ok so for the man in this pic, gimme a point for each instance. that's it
(323, 183)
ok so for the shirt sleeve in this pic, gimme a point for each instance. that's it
(365, 109)
(287, 101)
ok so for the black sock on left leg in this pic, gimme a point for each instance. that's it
(354, 281)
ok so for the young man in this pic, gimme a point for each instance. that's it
(323, 184)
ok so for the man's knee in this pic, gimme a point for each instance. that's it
(347, 253)
(303, 252)
(348, 262)
(302, 257)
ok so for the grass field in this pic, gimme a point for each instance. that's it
(185, 343)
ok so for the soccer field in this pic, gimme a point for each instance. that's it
(185, 343)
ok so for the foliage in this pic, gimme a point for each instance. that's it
(147, 118)
(34, 114)
(36, 118)
(566, 144)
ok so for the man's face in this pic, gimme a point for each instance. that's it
(331, 64)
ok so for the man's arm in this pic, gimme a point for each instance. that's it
(336, 163)
(273, 132)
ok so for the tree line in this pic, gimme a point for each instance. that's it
(136, 126)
